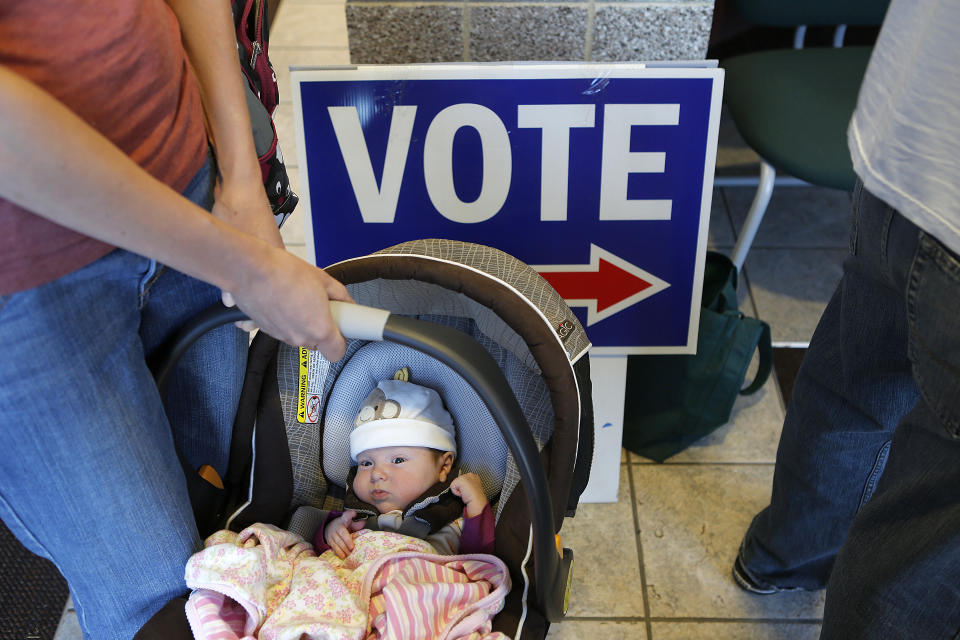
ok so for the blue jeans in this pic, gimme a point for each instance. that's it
(89, 477)
(866, 490)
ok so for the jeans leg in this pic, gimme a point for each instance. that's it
(852, 389)
(88, 474)
(898, 574)
(89, 477)
(203, 390)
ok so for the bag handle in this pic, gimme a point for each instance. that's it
(765, 348)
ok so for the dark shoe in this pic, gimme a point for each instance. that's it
(745, 582)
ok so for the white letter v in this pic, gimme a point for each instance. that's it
(377, 204)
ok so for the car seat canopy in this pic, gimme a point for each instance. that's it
(512, 289)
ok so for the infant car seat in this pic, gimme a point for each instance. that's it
(505, 353)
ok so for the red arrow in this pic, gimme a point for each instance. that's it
(606, 286)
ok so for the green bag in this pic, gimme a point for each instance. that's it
(674, 400)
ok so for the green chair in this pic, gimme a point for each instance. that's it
(792, 106)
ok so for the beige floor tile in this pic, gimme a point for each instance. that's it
(309, 25)
(283, 59)
(606, 571)
(751, 435)
(791, 287)
(744, 299)
(734, 631)
(692, 518)
(597, 630)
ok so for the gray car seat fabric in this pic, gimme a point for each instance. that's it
(304, 439)
(306, 521)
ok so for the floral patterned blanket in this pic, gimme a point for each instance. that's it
(268, 583)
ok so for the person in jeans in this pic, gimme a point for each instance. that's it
(107, 247)
(866, 489)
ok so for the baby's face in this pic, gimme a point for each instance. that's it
(390, 478)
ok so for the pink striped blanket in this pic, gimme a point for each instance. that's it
(268, 583)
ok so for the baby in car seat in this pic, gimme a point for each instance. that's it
(268, 580)
(404, 444)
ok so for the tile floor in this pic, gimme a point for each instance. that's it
(655, 565)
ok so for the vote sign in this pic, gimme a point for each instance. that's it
(600, 176)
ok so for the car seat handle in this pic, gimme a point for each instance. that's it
(353, 320)
(358, 321)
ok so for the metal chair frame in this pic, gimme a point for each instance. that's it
(768, 175)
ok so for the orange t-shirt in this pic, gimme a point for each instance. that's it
(121, 67)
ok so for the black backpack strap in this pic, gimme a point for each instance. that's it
(765, 349)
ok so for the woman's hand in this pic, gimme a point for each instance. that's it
(289, 299)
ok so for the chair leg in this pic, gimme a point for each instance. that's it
(757, 208)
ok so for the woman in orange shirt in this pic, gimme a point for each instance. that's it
(107, 111)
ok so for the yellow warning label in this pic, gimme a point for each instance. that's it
(302, 389)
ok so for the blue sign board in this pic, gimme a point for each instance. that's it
(600, 176)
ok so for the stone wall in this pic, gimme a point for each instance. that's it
(473, 30)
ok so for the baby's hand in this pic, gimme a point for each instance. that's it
(339, 533)
(469, 489)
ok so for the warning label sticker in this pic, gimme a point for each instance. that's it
(310, 387)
